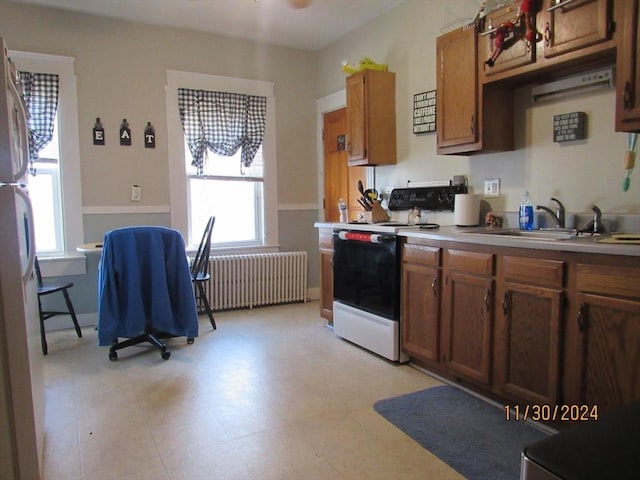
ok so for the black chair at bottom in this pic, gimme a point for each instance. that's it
(47, 288)
(200, 272)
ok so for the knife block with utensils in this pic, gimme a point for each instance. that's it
(378, 214)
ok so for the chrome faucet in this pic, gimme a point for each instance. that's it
(598, 227)
(558, 216)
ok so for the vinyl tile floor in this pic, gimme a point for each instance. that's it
(271, 394)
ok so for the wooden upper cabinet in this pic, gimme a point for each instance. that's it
(570, 25)
(371, 118)
(464, 104)
(457, 89)
(628, 69)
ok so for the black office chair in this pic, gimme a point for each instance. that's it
(47, 288)
(200, 272)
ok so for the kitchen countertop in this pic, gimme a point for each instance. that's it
(483, 236)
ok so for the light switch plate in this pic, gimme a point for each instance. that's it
(136, 193)
(492, 188)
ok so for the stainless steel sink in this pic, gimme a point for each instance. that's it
(542, 234)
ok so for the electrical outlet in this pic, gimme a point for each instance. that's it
(492, 188)
(136, 193)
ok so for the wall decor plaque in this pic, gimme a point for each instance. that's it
(424, 112)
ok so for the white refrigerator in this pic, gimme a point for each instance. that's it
(21, 362)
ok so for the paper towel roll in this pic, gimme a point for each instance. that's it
(466, 210)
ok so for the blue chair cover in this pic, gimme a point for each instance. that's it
(144, 283)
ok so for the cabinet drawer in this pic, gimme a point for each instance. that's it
(618, 281)
(421, 254)
(534, 270)
(472, 262)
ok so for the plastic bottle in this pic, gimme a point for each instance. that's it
(342, 209)
(526, 212)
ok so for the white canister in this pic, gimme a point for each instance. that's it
(466, 210)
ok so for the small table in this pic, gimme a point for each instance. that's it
(92, 247)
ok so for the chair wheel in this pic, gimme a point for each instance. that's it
(190, 340)
(165, 355)
(113, 355)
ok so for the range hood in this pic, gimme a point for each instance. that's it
(584, 82)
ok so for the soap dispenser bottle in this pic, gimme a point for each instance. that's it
(525, 214)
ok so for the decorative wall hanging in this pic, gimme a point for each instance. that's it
(149, 136)
(424, 112)
(125, 133)
(98, 133)
(569, 126)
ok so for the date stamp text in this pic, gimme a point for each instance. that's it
(551, 413)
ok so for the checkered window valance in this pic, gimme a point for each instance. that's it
(222, 122)
(40, 92)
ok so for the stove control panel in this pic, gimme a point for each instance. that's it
(425, 198)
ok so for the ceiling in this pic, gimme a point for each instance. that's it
(276, 22)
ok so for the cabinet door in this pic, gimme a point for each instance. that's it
(574, 24)
(610, 329)
(528, 349)
(628, 71)
(516, 53)
(468, 324)
(420, 310)
(356, 117)
(457, 88)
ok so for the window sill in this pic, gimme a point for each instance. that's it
(63, 266)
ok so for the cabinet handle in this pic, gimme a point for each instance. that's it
(505, 304)
(487, 302)
(559, 5)
(473, 125)
(434, 286)
(627, 96)
(349, 147)
(547, 35)
(583, 313)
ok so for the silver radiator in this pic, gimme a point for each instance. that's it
(249, 280)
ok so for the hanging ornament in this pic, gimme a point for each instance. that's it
(98, 133)
(149, 136)
(125, 133)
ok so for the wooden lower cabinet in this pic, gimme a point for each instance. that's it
(421, 287)
(528, 329)
(606, 357)
(467, 322)
(326, 274)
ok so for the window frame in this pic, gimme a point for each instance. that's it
(70, 261)
(178, 178)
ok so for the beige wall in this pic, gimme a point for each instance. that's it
(579, 173)
(121, 74)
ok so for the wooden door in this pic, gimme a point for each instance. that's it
(340, 180)
(336, 175)
(628, 71)
(457, 88)
(468, 324)
(571, 25)
(356, 120)
(610, 329)
(528, 343)
(421, 302)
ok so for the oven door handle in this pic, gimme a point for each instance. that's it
(365, 237)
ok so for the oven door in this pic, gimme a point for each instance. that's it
(366, 272)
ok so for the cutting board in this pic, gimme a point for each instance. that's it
(622, 239)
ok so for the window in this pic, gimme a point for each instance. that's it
(242, 200)
(209, 194)
(56, 189)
